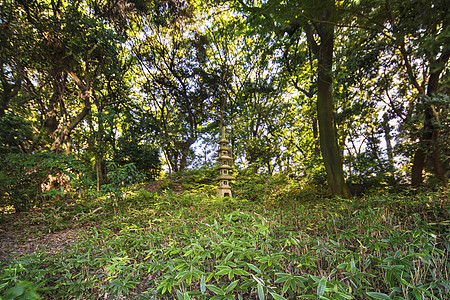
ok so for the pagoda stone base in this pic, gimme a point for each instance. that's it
(224, 191)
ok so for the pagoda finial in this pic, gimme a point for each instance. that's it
(222, 132)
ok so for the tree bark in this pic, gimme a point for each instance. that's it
(99, 155)
(325, 104)
(9, 90)
(429, 141)
(325, 113)
(185, 152)
(99, 171)
(388, 139)
(59, 140)
(70, 126)
(428, 148)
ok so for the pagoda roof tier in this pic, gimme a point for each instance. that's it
(224, 177)
(225, 157)
(223, 167)
(222, 148)
(223, 141)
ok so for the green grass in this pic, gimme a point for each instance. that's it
(287, 242)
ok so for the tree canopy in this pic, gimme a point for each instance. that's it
(339, 93)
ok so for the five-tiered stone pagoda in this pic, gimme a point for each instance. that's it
(225, 161)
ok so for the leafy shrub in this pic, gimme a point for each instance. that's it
(15, 132)
(145, 157)
(254, 186)
(120, 177)
(22, 175)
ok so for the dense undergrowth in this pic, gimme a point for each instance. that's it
(275, 240)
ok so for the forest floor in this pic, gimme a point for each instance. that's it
(16, 241)
(275, 240)
(18, 238)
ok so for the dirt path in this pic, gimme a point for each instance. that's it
(16, 244)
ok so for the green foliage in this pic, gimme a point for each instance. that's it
(22, 176)
(123, 176)
(145, 157)
(187, 246)
(91, 79)
(15, 134)
(195, 180)
(82, 77)
(119, 178)
(254, 187)
(22, 290)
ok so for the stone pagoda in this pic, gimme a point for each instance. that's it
(225, 161)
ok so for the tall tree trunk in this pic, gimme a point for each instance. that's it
(172, 159)
(325, 104)
(183, 160)
(325, 113)
(99, 171)
(51, 123)
(185, 152)
(67, 128)
(315, 136)
(428, 148)
(388, 139)
(99, 155)
(429, 141)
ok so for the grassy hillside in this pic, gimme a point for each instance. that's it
(275, 240)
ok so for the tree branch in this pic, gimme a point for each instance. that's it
(310, 38)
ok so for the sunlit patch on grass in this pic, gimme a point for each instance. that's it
(6, 210)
